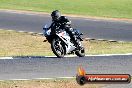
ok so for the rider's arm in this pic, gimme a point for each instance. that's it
(65, 20)
(51, 25)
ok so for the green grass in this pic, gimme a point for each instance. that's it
(13, 43)
(101, 8)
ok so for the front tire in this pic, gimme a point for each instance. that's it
(57, 48)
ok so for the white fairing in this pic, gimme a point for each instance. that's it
(66, 38)
(63, 35)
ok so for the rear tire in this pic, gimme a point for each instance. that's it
(57, 48)
(80, 53)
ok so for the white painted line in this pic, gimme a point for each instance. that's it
(102, 40)
(31, 32)
(10, 30)
(21, 31)
(40, 33)
(111, 54)
(66, 77)
(42, 78)
(87, 38)
(96, 55)
(6, 58)
(56, 78)
(76, 56)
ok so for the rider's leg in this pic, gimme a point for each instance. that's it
(73, 38)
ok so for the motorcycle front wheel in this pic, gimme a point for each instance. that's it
(57, 48)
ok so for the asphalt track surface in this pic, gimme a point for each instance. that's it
(48, 67)
(98, 29)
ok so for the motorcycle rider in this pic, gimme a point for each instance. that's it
(62, 23)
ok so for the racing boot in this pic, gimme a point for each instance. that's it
(76, 43)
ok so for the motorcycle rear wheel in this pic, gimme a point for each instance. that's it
(57, 48)
(80, 53)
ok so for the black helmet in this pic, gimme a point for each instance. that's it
(55, 15)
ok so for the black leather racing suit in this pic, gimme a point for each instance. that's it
(64, 24)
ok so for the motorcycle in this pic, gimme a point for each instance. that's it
(61, 43)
